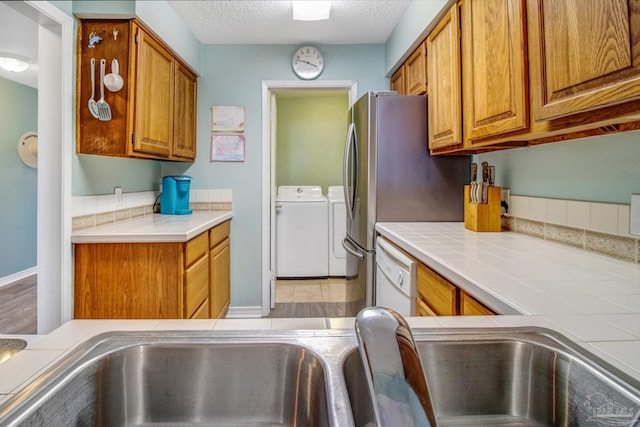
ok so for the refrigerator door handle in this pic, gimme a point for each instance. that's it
(348, 247)
(348, 161)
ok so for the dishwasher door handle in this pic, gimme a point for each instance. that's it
(353, 251)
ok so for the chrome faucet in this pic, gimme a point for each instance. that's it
(395, 377)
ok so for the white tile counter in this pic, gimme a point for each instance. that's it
(590, 298)
(153, 228)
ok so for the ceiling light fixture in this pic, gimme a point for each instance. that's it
(311, 10)
(13, 63)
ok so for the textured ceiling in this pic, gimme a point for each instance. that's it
(271, 22)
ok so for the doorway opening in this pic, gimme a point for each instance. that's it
(299, 169)
(54, 126)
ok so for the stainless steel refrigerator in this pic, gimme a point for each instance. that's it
(389, 176)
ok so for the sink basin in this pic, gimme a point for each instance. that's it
(512, 377)
(9, 347)
(178, 381)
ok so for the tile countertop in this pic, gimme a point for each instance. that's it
(592, 299)
(153, 228)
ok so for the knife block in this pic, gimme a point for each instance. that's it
(483, 216)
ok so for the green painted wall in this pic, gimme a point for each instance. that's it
(310, 141)
(18, 182)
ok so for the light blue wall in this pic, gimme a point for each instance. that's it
(409, 29)
(233, 75)
(18, 182)
(599, 169)
(93, 175)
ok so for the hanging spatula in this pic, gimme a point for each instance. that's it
(104, 110)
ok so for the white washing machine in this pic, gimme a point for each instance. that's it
(337, 231)
(302, 238)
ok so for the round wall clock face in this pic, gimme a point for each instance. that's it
(307, 62)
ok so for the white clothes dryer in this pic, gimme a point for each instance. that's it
(302, 241)
(337, 231)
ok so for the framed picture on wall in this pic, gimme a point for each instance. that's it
(225, 118)
(227, 148)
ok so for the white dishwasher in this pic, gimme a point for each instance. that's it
(395, 279)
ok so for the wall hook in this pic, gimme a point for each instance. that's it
(94, 39)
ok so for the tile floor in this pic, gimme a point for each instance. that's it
(317, 290)
(322, 297)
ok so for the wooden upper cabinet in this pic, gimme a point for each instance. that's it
(494, 81)
(184, 107)
(153, 122)
(415, 72)
(443, 69)
(154, 114)
(397, 81)
(583, 55)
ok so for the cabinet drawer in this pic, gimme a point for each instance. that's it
(469, 306)
(437, 292)
(196, 286)
(203, 311)
(422, 309)
(218, 233)
(195, 248)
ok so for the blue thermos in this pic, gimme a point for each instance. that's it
(174, 199)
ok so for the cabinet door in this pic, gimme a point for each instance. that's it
(415, 72)
(184, 127)
(443, 69)
(438, 293)
(220, 258)
(469, 306)
(583, 54)
(494, 68)
(397, 81)
(196, 286)
(153, 110)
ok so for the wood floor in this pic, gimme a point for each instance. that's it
(18, 307)
(329, 297)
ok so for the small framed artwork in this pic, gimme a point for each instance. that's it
(227, 148)
(227, 118)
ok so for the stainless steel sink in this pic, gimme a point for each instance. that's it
(501, 376)
(180, 379)
(514, 377)
(10, 346)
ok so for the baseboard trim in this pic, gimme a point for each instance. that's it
(244, 312)
(7, 280)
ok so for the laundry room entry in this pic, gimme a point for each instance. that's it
(311, 127)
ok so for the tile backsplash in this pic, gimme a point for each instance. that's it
(90, 211)
(593, 226)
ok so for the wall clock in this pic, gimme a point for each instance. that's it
(307, 62)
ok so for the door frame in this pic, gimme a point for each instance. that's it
(269, 88)
(56, 89)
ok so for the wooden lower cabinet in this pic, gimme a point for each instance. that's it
(219, 278)
(153, 280)
(436, 292)
(469, 306)
(439, 297)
